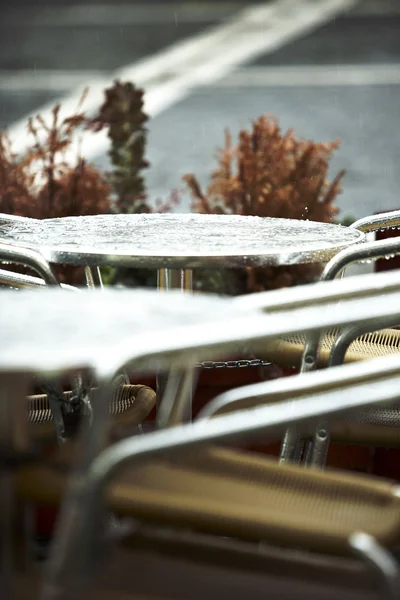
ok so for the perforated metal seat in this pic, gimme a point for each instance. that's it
(375, 426)
(229, 493)
(288, 351)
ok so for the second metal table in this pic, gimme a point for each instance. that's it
(177, 243)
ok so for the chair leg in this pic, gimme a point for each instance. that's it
(291, 444)
(7, 566)
(23, 534)
(320, 448)
(381, 560)
(308, 450)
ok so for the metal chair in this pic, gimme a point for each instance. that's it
(153, 339)
(177, 480)
(316, 453)
(183, 352)
(314, 350)
(290, 349)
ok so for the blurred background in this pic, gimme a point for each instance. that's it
(327, 68)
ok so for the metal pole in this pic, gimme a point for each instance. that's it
(93, 277)
(167, 280)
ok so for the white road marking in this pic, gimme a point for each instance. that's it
(312, 75)
(59, 82)
(106, 15)
(371, 8)
(170, 75)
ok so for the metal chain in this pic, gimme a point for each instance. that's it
(232, 364)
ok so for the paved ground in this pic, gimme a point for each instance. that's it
(341, 80)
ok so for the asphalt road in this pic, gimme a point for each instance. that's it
(361, 108)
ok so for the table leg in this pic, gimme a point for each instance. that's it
(93, 277)
(172, 279)
(6, 543)
(13, 444)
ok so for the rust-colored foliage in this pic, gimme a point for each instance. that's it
(271, 174)
(123, 116)
(42, 184)
(122, 113)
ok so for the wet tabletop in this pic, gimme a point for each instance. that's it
(179, 240)
(52, 328)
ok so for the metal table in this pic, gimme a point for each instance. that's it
(177, 243)
(49, 330)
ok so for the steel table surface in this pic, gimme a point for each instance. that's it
(179, 241)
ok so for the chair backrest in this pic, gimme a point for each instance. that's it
(377, 221)
(29, 258)
(18, 281)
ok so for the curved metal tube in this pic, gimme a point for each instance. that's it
(374, 222)
(17, 280)
(365, 251)
(357, 286)
(380, 560)
(350, 334)
(29, 258)
(79, 538)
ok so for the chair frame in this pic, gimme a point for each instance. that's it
(378, 387)
(185, 350)
(28, 258)
(292, 446)
(92, 274)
